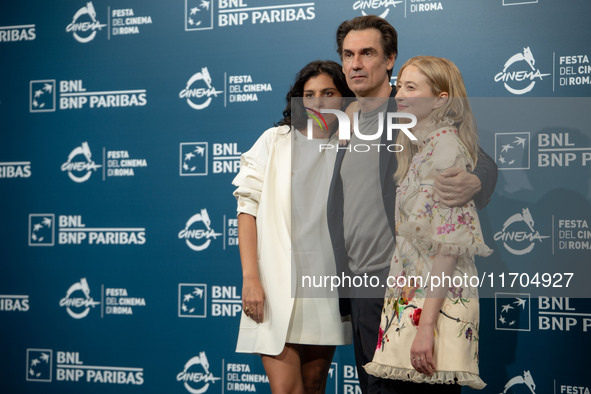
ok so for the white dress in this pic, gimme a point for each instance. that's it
(315, 319)
(264, 186)
(425, 227)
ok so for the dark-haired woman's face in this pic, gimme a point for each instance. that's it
(320, 92)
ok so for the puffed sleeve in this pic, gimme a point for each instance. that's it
(437, 227)
(251, 177)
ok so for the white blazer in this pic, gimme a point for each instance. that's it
(264, 191)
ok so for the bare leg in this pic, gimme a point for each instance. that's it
(284, 371)
(315, 366)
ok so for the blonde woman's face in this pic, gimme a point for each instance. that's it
(415, 95)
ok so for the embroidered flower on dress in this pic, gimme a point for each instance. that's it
(465, 218)
(408, 292)
(469, 334)
(456, 291)
(428, 212)
(380, 338)
(415, 316)
(446, 229)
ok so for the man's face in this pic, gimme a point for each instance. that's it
(365, 65)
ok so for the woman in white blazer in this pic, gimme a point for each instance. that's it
(282, 190)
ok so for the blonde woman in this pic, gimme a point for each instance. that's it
(428, 336)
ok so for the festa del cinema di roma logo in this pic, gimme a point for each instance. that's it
(516, 81)
(199, 96)
(519, 237)
(198, 232)
(525, 380)
(85, 25)
(78, 307)
(196, 374)
(80, 170)
(373, 6)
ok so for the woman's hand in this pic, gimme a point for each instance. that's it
(253, 299)
(421, 351)
(253, 295)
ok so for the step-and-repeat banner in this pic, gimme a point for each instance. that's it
(121, 127)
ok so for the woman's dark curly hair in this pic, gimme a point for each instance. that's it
(295, 113)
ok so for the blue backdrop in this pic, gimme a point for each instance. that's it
(122, 123)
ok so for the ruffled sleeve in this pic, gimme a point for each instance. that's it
(250, 178)
(437, 227)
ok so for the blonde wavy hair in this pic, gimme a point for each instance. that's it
(443, 76)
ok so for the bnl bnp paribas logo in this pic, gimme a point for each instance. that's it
(198, 232)
(192, 300)
(72, 231)
(74, 96)
(17, 33)
(199, 14)
(42, 95)
(225, 301)
(77, 301)
(85, 25)
(194, 158)
(39, 365)
(42, 229)
(199, 90)
(69, 367)
(512, 151)
(519, 75)
(512, 312)
(518, 234)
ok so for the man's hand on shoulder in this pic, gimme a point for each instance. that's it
(455, 186)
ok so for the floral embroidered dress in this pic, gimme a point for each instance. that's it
(424, 227)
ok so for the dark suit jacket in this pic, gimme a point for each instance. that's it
(486, 170)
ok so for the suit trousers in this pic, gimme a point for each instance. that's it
(365, 318)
